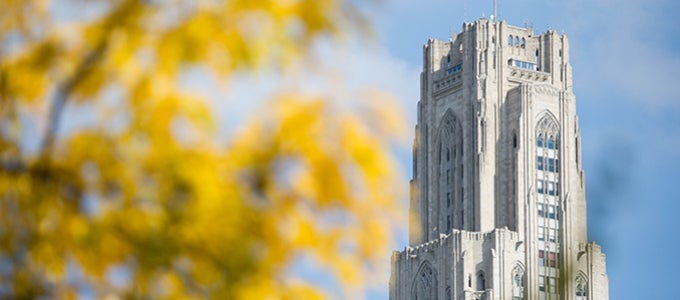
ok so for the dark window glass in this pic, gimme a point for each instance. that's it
(539, 141)
(481, 284)
(551, 164)
(539, 163)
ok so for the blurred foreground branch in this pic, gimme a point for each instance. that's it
(148, 202)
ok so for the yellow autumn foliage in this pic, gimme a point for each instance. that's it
(150, 202)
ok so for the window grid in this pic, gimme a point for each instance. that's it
(547, 207)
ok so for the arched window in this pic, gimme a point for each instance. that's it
(547, 202)
(481, 283)
(510, 40)
(516, 41)
(581, 288)
(518, 286)
(449, 139)
(523, 43)
(425, 283)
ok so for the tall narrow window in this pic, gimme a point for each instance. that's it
(576, 151)
(449, 139)
(547, 160)
(481, 283)
(517, 284)
(581, 288)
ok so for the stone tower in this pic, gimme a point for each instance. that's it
(497, 203)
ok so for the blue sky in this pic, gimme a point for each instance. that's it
(626, 61)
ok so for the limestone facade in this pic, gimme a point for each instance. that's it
(497, 202)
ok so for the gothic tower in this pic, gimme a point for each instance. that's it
(497, 203)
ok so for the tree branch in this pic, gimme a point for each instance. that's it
(64, 91)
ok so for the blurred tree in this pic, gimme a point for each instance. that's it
(150, 203)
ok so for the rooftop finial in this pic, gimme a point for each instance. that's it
(495, 13)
